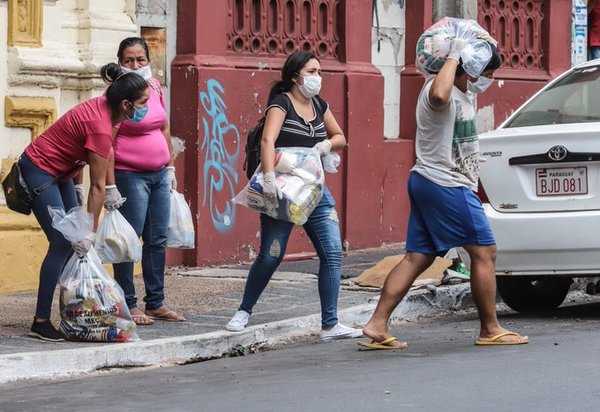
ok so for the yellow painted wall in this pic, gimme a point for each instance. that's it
(24, 246)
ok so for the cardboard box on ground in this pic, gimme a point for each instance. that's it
(376, 275)
(449, 269)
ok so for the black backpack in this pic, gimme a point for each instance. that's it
(252, 147)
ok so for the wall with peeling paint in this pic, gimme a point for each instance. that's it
(387, 54)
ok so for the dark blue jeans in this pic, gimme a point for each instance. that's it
(323, 230)
(147, 210)
(59, 249)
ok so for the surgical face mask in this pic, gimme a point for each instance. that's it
(480, 85)
(310, 87)
(138, 114)
(144, 71)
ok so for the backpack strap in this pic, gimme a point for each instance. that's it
(318, 106)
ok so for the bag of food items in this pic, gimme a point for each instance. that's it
(92, 304)
(299, 176)
(434, 45)
(181, 225)
(116, 240)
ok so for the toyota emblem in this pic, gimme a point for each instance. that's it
(557, 153)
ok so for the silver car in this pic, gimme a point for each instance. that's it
(540, 186)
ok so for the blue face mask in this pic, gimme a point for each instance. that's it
(138, 114)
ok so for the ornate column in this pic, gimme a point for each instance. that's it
(25, 23)
(76, 42)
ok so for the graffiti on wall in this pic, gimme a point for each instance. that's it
(221, 147)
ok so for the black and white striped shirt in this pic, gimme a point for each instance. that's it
(296, 132)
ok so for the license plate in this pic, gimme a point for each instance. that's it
(561, 181)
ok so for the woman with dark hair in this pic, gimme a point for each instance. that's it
(145, 175)
(298, 117)
(81, 135)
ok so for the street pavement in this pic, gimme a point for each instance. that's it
(287, 313)
(440, 371)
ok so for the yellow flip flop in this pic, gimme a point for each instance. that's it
(382, 345)
(494, 340)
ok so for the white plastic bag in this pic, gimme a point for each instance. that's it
(433, 46)
(331, 162)
(116, 240)
(181, 225)
(92, 304)
(299, 175)
(75, 225)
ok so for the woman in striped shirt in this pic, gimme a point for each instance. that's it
(297, 117)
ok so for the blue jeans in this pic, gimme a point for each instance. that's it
(323, 230)
(594, 52)
(59, 250)
(147, 209)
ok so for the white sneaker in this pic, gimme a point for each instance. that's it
(238, 322)
(340, 331)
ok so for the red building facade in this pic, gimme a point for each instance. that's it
(228, 54)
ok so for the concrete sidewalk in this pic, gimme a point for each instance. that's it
(288, 311)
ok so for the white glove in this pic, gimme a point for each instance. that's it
(81, 248)
(171, 177)
(80, 191)
(456, 47)
(323, 147)
(112, 198)
(270, 189)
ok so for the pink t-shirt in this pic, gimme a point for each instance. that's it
(142, 147)
(86, 127)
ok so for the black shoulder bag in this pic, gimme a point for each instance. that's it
(17, 194)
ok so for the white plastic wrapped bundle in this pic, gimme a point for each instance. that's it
(434, 45)
(300, 177)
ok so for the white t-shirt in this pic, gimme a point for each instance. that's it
(446, 144)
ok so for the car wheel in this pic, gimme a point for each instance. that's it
(524, 293)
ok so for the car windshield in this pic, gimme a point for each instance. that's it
(573, 99)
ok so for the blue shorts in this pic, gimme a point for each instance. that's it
(442, 218)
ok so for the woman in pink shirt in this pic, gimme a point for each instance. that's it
(145, 175)
(81, 135)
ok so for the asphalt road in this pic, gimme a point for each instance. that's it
(441, 371)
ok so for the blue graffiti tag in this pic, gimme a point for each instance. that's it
(219, 165)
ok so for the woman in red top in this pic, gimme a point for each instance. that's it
(83, 134)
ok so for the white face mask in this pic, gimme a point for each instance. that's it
(310, 87)
(144, 71)
(480, 85)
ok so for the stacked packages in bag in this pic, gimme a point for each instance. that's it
(433, 46)
(299, 176)
(92, 304)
